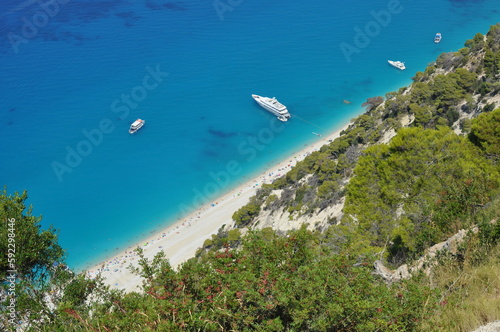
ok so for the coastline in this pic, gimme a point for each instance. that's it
(181, 240)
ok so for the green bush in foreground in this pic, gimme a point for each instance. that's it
(271, 283)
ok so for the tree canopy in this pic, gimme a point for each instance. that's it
(36, 249)
(419, 187)
(485, 132)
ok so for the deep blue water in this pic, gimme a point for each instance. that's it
(189, 72)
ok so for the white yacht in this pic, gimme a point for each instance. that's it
(273, 106)
(397, 64)
(136, 125)
(437, 38)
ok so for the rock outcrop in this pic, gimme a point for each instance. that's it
(425, 262)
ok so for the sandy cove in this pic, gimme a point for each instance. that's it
(181, 240)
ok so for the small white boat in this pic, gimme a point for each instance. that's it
(136, 125)
(437, 38)
(397, 64)
(274, 106)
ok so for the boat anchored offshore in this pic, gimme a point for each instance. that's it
(136, 125)
(274, 106)
(437, 38)
(397, 64)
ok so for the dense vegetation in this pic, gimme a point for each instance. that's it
(271, 283)
(418, 190)
(438, 175)
(305, 281)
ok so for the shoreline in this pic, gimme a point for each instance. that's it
(180, 240)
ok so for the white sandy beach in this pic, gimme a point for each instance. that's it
(181, 240)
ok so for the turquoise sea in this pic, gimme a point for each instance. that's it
(75, 74)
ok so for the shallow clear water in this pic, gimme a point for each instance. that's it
(74, 84)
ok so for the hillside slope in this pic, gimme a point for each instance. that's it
(419, 167)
